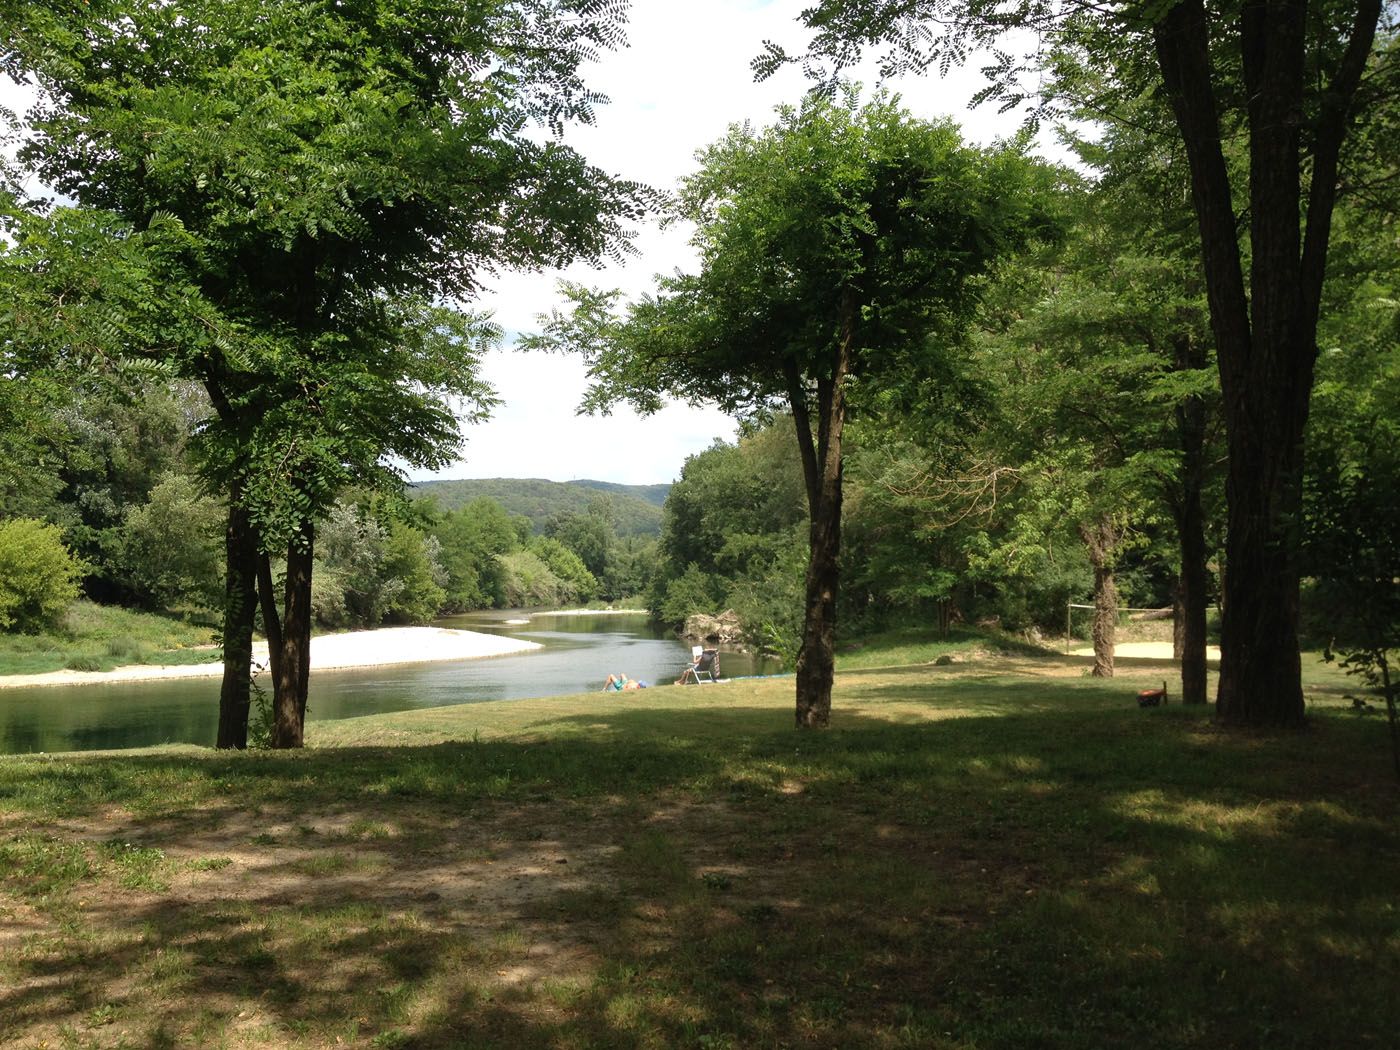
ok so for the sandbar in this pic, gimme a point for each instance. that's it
(591, 612)
(381, 648)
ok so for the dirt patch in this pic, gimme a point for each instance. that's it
(1148, 651)
(326, 906)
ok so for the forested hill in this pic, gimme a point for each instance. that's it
(637, 507)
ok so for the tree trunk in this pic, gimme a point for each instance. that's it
(1193, 581)
(272, 617)
(822, 464)
(1101, 539)
(239, 611)
(1178, 619)
(292, 671)
(1389, 690)
(1265, 335)
(1261, 668)
(1192, 596)
(816, 660)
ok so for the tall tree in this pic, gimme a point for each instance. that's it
(1287, 76)
(1123, 385)
(334, 172)
(841, 246)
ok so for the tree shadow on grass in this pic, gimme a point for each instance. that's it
(1057, 877)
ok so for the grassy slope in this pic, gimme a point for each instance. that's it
(100, 637)
(991, 854)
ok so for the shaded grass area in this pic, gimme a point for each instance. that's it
(913, 644)
(101, 637)
(997, 854)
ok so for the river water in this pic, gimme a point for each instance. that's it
(578, 655)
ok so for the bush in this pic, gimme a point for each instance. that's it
(693, 591)
(580, 584)
(772, 607)
(169, 551)
(38, 577)
(328, 607)
(410, 562)
(527, 581)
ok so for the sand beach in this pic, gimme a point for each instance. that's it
(379, 648)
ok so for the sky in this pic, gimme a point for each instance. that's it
(683, 79)
(679, 85)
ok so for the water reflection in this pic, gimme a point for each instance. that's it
(580, 652)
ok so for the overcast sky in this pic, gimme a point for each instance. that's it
(682, 81)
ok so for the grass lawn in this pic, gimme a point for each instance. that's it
(101, 637)
(995, 853)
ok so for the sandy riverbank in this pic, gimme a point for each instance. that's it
(381, 648)
(1148, 650)
(589, 612)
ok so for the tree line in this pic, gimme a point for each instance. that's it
(278, 204)
(826, 278)
(116, 509)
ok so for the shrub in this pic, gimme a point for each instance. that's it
(411, 565)
(527, 581)
(580, 584)
(772, 607)
(328, 607)
(38, 576)
(693, 591)
(169, 551)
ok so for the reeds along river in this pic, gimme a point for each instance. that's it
(578, 655)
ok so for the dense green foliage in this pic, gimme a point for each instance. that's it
(636, 509)
(1263, 101)
(168, 548)
(734, 537)
(1352, 488)
(408, 561)
(38, 575)
(842, 253)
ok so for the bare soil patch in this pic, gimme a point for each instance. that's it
(319, 899)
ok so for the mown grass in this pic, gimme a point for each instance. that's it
(998, 853)
(101, 637)
(913, 644)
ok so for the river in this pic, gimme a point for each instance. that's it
(578, 655)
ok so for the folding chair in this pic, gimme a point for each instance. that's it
(704, 666)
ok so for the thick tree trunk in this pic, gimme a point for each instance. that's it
(292, 670)
(1101, 540)
(1261, 668)
(240, 608)
(1264, 335)
(1192, 596)
(1193, 581)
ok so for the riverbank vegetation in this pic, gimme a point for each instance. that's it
(92, 637)
(1007, 852)
(974, 387)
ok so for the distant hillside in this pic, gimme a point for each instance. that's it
(638, 507)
